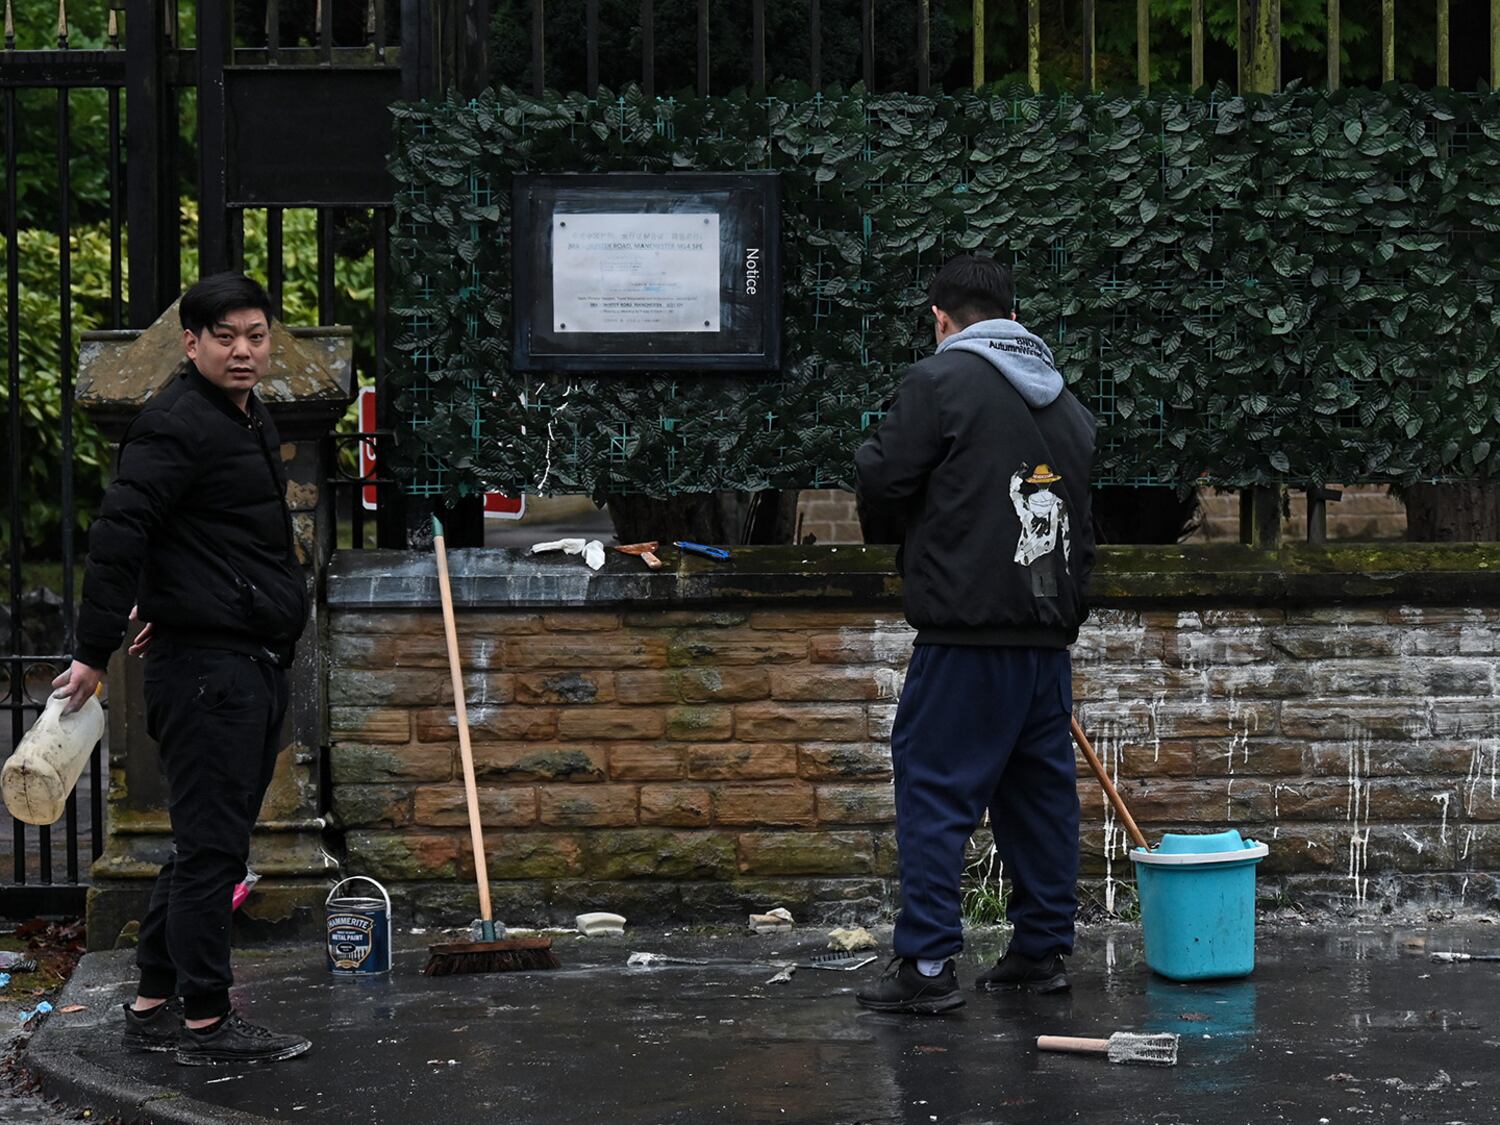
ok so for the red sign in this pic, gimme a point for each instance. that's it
(369, 494)
(497, 505)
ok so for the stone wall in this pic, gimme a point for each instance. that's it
(1364, 512)
(1368, 511)
(692, 744)
(716, 754)
(827, 515)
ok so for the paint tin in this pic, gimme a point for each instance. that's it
(359, 931)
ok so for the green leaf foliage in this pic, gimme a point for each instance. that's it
(40, 340)
(41, 344)
(1298, 287)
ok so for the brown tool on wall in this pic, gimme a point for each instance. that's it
(493, 953)
(1109, 787)
(646, 552)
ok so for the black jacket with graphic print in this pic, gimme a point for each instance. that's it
(196, 529)
(961, 462)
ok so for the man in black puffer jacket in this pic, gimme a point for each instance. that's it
(196, 532)
(983, 460)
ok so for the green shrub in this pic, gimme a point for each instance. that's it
(41, 451)
(40, 344)
(1245, 290)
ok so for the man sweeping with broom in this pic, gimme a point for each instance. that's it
(984, 460)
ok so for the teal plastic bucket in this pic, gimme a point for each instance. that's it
(1198, 904)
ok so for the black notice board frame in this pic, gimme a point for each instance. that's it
(749, 209)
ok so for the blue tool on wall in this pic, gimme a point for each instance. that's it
(718, 553)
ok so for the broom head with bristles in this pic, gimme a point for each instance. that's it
(1152, 1049)
(515, 955)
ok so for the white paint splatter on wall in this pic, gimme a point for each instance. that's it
(1357, 812)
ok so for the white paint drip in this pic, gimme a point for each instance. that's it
(552, 417)
(890, 642)
(1111, 750)
(1240, 739)
(1359, 851)
(889, 682)
(1482, 749)
(1111, 638)
(1443, 799)
(1471, 779)
(1153, 717)
(1468, 841)
(1357, 809)
(1276, 797)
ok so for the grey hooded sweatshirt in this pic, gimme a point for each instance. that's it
(1014, 352)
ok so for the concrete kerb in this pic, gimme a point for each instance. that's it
(56, 1055)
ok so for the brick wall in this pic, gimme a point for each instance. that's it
(693, 763)
(1361, 743)
(1365, 512)
(828, 516)
(731, 757)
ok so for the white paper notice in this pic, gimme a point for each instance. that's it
(635, 273)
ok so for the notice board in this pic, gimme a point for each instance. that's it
(639, 272)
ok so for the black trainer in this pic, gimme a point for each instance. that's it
(154, 1030)
(236, 1040)
(1026, 974)
(902, 988)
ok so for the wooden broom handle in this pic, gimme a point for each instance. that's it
(466, 753)
(1071, 1043)
(1109, 790)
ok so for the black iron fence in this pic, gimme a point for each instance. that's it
(42, 87)
(254, 134)
(202, 130)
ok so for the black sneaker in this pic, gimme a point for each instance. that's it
(902, 988)
(156, 1030)
(235, 1040)
(1027, 974)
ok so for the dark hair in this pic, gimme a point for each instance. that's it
(971, 288)
(215, 297)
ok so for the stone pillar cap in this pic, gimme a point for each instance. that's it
(119, 371)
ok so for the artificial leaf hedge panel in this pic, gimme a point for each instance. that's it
(1299, 287)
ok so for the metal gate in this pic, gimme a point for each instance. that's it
(248, 135)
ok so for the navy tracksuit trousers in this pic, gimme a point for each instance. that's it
(986, 727)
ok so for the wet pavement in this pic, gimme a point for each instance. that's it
(1336, 1025)
(18, 1100)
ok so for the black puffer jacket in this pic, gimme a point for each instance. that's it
(993, 496)
(195, 529)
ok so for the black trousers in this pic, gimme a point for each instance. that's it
(217, 718)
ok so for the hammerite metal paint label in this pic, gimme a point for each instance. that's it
(357, 939)
(351, 938)
(359, 931)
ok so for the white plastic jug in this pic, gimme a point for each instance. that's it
(38, 777)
